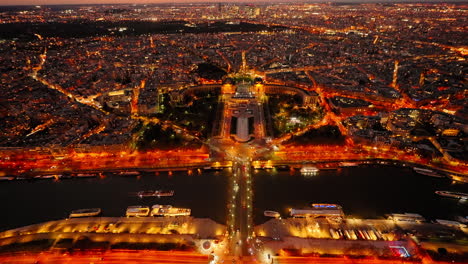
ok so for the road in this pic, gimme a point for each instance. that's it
(243, 212)
(108, 257)
(240, 224)
(240, 246)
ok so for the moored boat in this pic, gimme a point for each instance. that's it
(309, 171)
(85, 175)
(450, 223)
(168, 210)
(85, 212)
(48, 176)
(161, 193)
(456, 195)
(407, 217)
(129, 173)
(142, 194)
(137, 211)
(428, 172)
(348, 164)
(272, 214)
(157, 193)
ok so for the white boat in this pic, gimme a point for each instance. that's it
(168, 210)
(137, 211)
(407, 217)
(456, 195)
(142, 194)
(158, 193)
(85, 212)
(161, 193)
(348, 164)
(7, 178)
(428, 172)
(309, 171)
(330, 211)
(129, 173)
(450, 223)
(48, 176)
(85, 175)
(272, 214)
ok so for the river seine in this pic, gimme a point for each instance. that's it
(365, 192)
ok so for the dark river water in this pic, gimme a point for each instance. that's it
(363, 192)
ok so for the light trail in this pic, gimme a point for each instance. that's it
(228, 62)
(82, 100)
(94, 131)
(41, 127)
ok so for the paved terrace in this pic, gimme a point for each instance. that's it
(112, 231)
(357, 237)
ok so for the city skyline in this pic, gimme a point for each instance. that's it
(139, 2)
